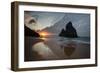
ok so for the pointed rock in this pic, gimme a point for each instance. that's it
(70, 31)
(62, 32)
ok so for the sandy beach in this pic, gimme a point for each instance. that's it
(37, 49)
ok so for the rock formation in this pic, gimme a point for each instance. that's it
(29, 32)
(69, 31)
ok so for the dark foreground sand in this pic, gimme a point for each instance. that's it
(44, 49)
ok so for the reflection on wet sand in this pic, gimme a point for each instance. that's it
(69, 48)
(37, 49)
(43, 50)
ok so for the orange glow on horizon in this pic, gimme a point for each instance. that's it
(44, 34)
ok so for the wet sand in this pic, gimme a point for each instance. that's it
(51, 49)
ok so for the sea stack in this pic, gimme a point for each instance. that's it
(69, 31)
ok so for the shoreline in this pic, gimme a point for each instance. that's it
(55, 50)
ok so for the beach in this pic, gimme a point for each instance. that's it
(55, 48)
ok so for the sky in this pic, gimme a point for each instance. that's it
(81, 22)
(43, 19)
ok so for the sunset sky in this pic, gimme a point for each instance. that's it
(81, 22)
(43, 19)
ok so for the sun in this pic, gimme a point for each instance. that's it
(43, 34)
